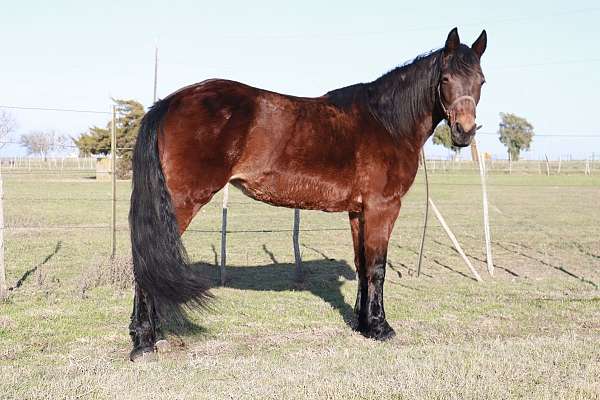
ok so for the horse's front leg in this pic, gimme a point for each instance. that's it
(377, 228)
(357, 227)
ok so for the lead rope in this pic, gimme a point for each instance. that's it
(446, 111)
(425, 218)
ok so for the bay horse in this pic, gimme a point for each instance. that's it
(354, 149)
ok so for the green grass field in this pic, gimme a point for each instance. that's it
(531, 331)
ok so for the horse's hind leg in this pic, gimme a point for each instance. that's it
(144, 328)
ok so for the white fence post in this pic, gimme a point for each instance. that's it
(486, 219)
(587, 167)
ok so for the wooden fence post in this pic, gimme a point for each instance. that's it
(454, 240)
(547, 165)
(588, 171)
(559, 165)
(296, 242)
(486, 219)
(3, 286)
(224, 235)
(113, 151)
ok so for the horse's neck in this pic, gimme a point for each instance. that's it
(405, 102)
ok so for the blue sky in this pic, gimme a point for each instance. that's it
(542, 62)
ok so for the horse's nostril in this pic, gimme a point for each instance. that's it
(459, 128)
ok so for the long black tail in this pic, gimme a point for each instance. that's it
(160, 262)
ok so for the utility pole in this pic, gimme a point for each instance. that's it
(155, 73)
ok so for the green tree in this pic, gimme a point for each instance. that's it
(97, 139)
(443, 136)
(515, 133)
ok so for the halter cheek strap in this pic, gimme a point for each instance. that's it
(449, 110)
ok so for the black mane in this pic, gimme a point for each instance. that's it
(399, 98)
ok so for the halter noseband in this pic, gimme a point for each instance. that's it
(448, 111)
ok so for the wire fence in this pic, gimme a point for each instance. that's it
(566, 166)
(52, 164)
(37, 168)
(523, 210)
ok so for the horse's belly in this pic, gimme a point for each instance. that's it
(288, 190)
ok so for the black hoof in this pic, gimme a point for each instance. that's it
(381, 332)
(142, 353)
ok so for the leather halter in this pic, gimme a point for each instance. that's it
(448, 111)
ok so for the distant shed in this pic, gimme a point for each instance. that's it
(103, 169)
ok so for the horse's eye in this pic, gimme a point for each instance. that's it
(482, 82)
(445, 79)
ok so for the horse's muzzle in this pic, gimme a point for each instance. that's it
(462, 137)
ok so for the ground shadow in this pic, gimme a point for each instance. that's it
(180, 325)
(583, 250)
(321, 278)
(23, 278)
(542, 261)
(505, 269)
(438, 262)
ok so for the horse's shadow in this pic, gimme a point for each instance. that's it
(320, 277)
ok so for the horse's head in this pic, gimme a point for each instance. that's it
(460, 84)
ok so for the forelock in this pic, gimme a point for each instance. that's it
(463, 61)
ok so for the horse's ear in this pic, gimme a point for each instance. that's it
(480, 44)
(453, 41)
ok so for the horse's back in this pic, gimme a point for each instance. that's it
(275, 147)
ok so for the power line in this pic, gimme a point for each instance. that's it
(506, 19)
(56, 109)
(574, 135)
(565, 62)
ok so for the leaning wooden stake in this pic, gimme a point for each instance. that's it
(3, 286)
(224, 235)
(547, 165)
(426, 216)
(296, 241)
(486, 218)
(453, 239)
